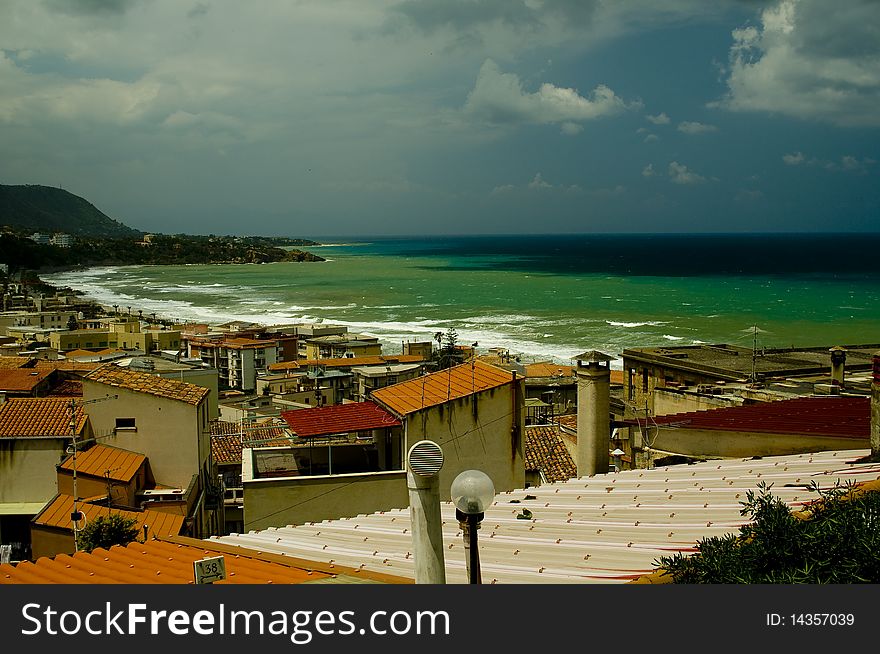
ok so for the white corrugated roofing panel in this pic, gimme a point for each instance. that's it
(602, 529)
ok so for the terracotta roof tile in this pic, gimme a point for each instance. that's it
(442, 386)
(157, 561)
(45, 416)
(226, 439)
(545, 452)
(21, 380)
(14, 362)
(142, 382)
(99, 460)
(549, 370)
(57, 514)
(338, 419)
(67, 388)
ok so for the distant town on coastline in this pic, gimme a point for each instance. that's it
(289, 444)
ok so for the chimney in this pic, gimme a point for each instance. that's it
(423, 463)
(594, 410)
(838, 361)
(875, 409)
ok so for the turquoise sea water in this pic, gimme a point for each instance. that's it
(549, 297)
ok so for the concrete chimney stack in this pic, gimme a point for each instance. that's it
(594, 412)
(423, 463)
(838, 361)
(875, 409)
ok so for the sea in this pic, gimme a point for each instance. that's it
(541, 297)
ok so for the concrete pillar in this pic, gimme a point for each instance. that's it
(838, 361)
(875, 409)
(593, 416)
(424, 461)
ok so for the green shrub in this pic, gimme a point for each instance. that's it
(106, 531)
(837, 544)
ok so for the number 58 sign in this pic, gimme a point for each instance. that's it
(207, 571)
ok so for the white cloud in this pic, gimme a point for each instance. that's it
(794, 158)
(539, 183)
(846, 163)
(499, 98)
(810, 60)
(648, 171)
(652, 138)
(572, 129)
(680, 174)
(695, 128)
(659, 119)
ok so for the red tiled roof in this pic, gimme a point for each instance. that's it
(442, 386)
(45, 416)
(544, 450)
(67, 388)
(11, 362)
(847, 417)
(226, 439)
(103, 460)
(338, 419)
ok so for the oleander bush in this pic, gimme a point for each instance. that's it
(839, 543)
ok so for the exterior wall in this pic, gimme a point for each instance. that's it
(709, 443)
(82, 339)
(46, 541)
(668, 401)
(204, 377)
(297, 500)
(485, 440)
(172, 434)
(641, 379)
(27, 468)
(87, 486)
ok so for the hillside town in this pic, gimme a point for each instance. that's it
(272, 440)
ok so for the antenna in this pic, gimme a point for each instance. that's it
(76, 515)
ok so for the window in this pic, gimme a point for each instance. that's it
(645, 380)
(125, 423)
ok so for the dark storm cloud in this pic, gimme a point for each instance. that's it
(430, 15)
(90, 7)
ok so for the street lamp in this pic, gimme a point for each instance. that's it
(472, 492)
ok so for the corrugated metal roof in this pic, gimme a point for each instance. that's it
(57, 515)
(45, 416)
(152, 562)
(544, 450)
(442, 386)
(142, 382)
(338, 419)
(103, 460)
(601, 529)
(846, 417)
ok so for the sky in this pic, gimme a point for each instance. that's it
(398, 117)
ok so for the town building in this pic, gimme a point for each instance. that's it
(237, 360)
(34, 435)
(166, 420)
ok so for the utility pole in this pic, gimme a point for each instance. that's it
(76, 516)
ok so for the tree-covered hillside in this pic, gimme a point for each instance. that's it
(49, 209)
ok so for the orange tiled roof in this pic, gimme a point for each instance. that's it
(170, 561)
(549, 370)
(142, 382)
(570, 421)
(442, 386)
(240, 343)
(57, 514)
(45, 416)
(22, 380)
(544, 450)
(99, 460)
(66, 364)
(14, 362)
(226, 439)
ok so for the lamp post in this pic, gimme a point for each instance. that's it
(472, 492)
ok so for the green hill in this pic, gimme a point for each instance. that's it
(49, 209)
